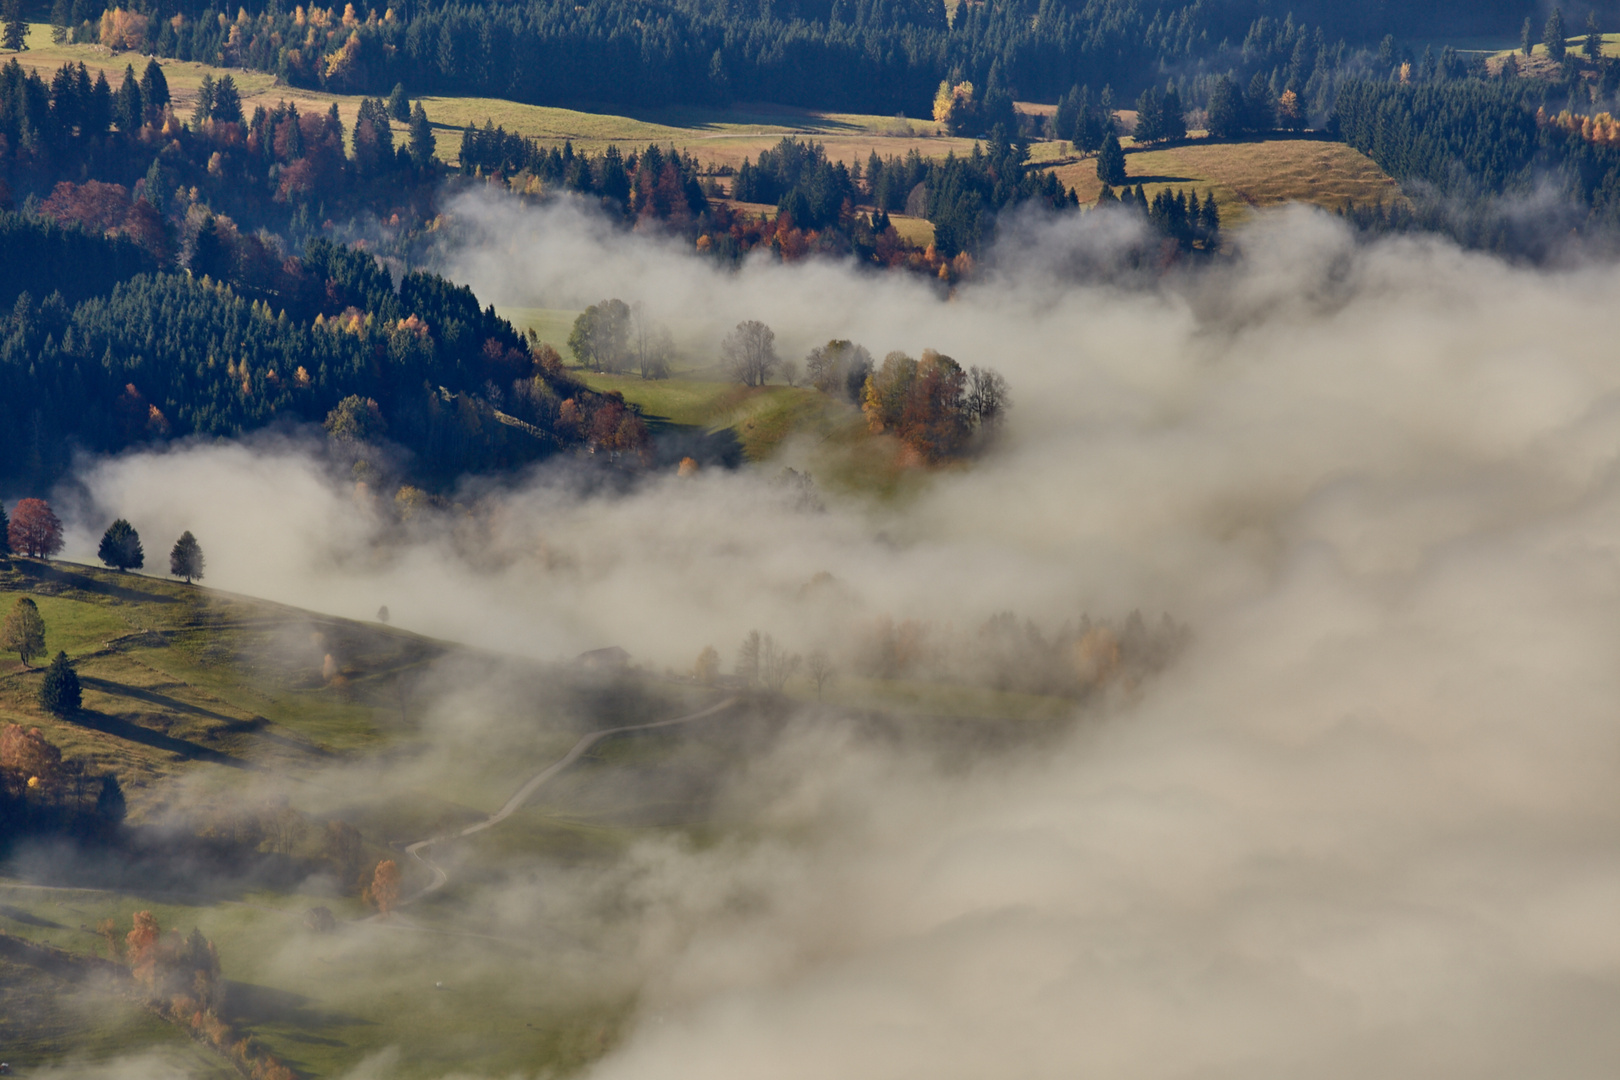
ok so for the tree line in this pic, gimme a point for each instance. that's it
(878, 56)
(165, 356)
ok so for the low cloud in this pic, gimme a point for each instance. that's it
(1365, 825)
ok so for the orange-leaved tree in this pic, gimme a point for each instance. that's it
(35, 529)
(383, 892)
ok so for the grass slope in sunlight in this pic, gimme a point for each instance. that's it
(1245, 176)
(719, 136)
(180, 677)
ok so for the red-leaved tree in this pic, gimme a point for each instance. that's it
(35, 529)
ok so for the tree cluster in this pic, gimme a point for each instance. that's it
(937, 409)
(166, 356)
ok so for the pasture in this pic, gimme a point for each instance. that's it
(1245, 175)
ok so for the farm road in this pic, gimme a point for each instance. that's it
(521, 796)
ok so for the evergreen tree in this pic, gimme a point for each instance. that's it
(1593, 45)
(129, 105)
(121, 547)
(110, 805)
(61, 20)
(1173, 122)
(205, 101)
(154, 87)
(227, 102)
(1225, 109)
(1209, 222)
(186, 560)
(1527, 36)
(399, 106)
(15, 35)
(5, 532)
(1111, 161)
(23, 631)
(59, 691)
(1149, 117)
(1553, 36)
(422, 140)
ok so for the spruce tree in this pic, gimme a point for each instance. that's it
(1527, 34)
(110, 805)
(121, 547)
(1111, 161)
(59, 691)
(422, 141)
(1593, 45)
(1554, 35)
(186, 560)
(399, 106)
(15, 35)
(154, 87)
(5, 532)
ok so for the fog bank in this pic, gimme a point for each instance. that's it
(1366, 826)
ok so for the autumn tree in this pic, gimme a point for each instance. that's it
(383, 892)
(356, 419)
(141, 947)
(748, 353)
(706, 669)
(59, 692)
(35, 530)
(121, 547)
(28, 760)
(186, 560)
(23, 631)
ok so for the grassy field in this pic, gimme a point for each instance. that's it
(1246, 175)
(54, 1012)
(716, 136)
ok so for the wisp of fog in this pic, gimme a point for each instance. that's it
(1366, 826)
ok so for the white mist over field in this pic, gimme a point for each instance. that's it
(1367, 826)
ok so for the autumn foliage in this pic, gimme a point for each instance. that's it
(35, 529)
(383, 892)
(931, 404)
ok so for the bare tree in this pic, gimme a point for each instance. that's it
(776, 665)
(748, 353)
(820, 670)
(651, 343)
(986, 397)
(748, 658)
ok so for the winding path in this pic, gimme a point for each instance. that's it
(521, 796)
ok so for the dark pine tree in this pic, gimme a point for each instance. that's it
(59, 692)
(1111, 161)
(121, 547)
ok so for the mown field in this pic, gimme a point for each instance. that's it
(1244, 175)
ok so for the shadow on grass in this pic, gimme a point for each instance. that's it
(28, 918)
(164, 701)
(123, 729)
(249, 1004)
(58, 574)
